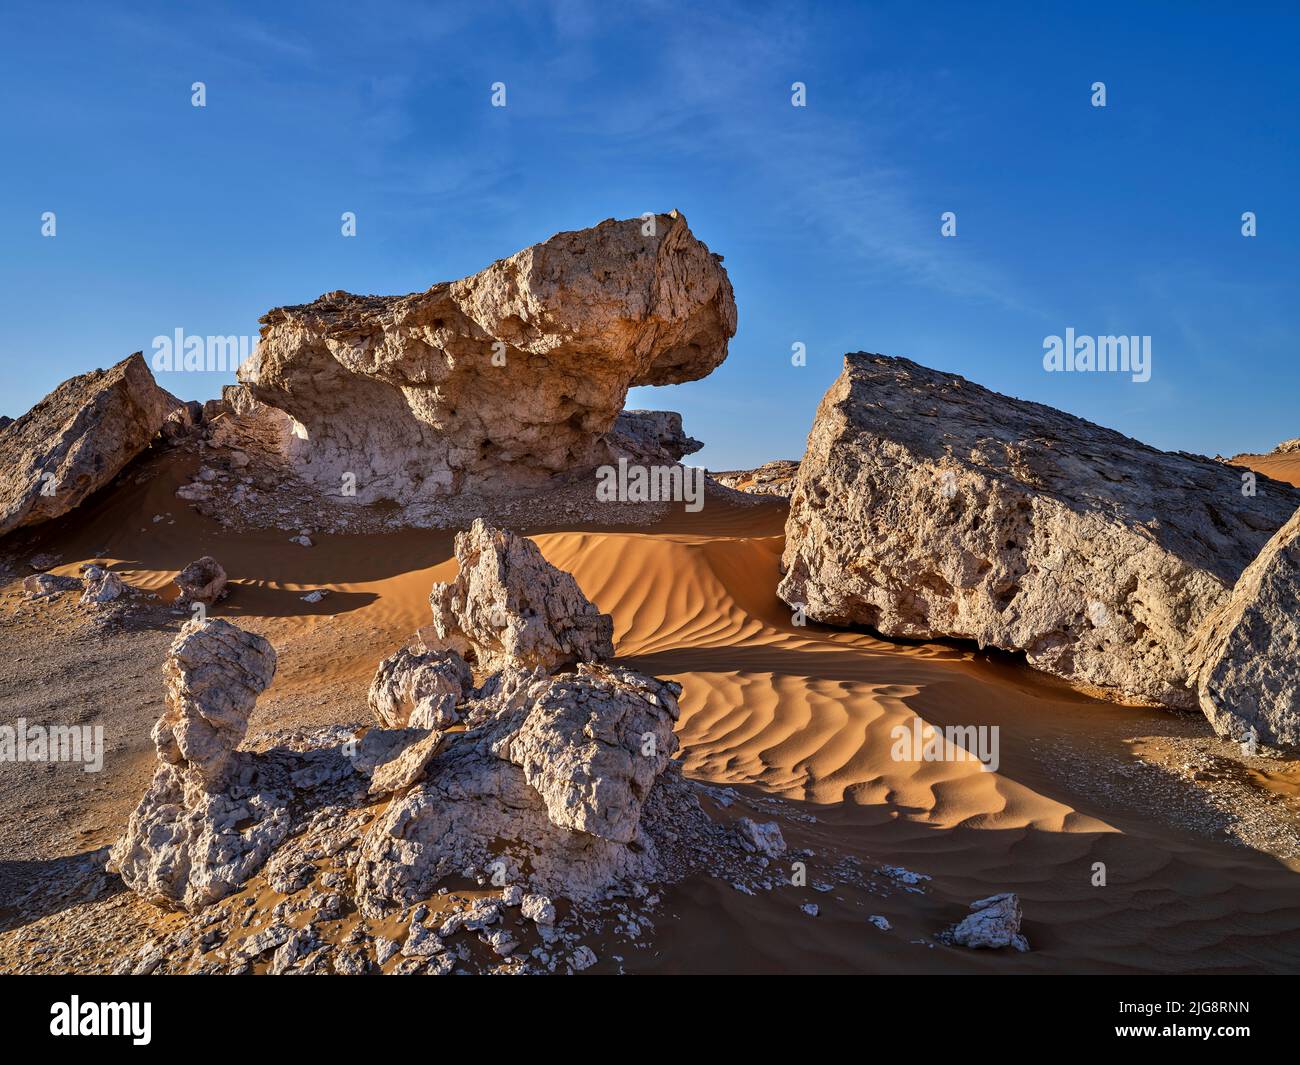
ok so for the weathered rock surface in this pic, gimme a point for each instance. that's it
(993, 923)
(651, 437)
(214, 673)
(502, 379)
(1248, 650)
(927, 506)
(408, 767)
(509, 607)
(774, 478)
(202, 828)
(101, 586)
(762, 839)
(44, 585)
(77, 439)
(1287, 446)
(556, 781)
(414, 690)
(202, 581)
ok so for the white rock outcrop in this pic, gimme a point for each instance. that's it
(498, 381)
(993, 923)
(509, 607)
(927, 506)
(555, 781)
(200, 831)
(419, 690)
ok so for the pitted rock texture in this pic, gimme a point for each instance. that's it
(77, 439)
(774, 478)
(592, 744)
(993, 923)
(552, 778)
(1248, 682)
(651, 437)
(498, 381)
(214, 673)
(202, 581)
(509, 607)
(927, 506)
(419, 690)
(205, 825)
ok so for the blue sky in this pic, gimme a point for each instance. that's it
(1124, 219)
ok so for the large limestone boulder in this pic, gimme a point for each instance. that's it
(509, 607)
(502, 379)
(1248, 650)
(927, 506)
(77, 439)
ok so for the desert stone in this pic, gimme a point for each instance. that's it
(77, 439)
(1248, 682)
(498, 381)
(927, 506)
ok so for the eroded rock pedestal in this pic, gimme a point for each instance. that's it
(927, 506)
(498, 381)
(204, 826)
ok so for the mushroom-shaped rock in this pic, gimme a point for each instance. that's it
(197, 834)
(214, 672)
(500, 380)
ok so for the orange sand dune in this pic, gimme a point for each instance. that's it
(1285, 467)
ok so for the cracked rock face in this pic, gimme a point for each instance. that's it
(556, 780)
(414, 690)
(1249, 648)
(203, 827)
(592, 744)
(214, 672)
(77, 439)
(652, 437)
(927, 506)
(993, 923)
(500, 380)
(509, 607)
(202, 581)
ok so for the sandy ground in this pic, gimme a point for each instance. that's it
(1198, 844)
